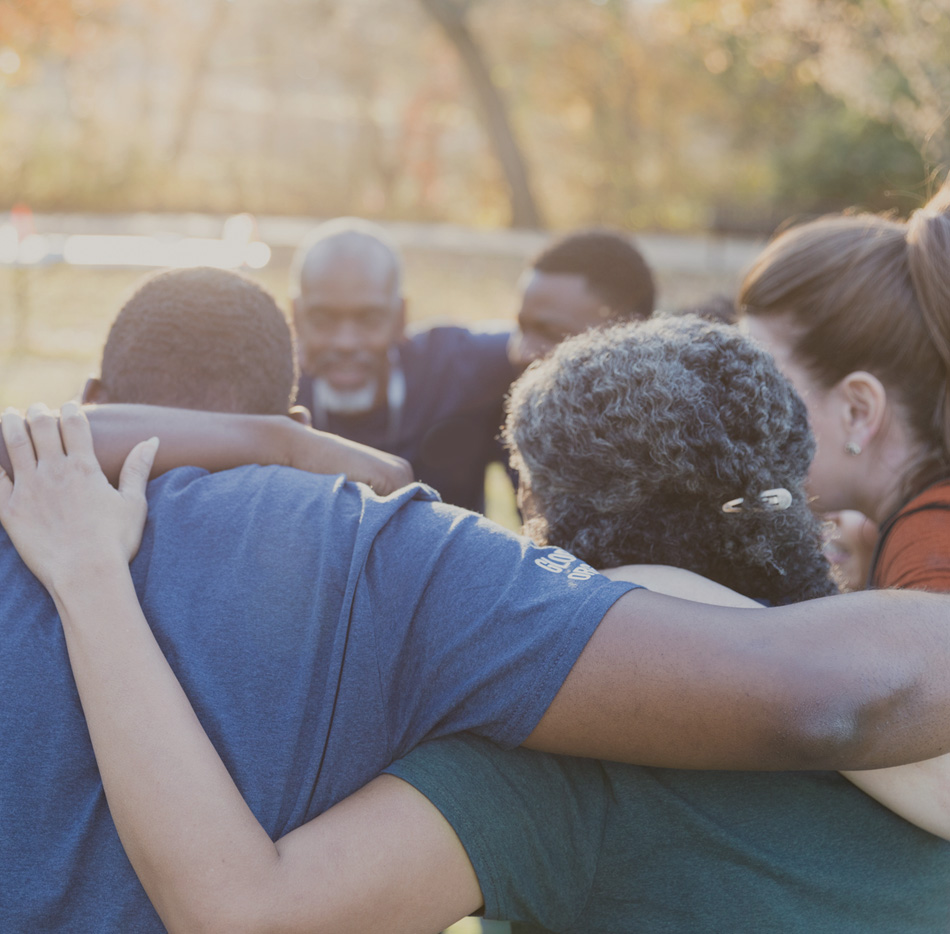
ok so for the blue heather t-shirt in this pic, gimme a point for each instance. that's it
(319, 632)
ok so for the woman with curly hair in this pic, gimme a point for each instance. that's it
(670, 441)
(632, 444)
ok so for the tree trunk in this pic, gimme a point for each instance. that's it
(194, 83)
(450, 16)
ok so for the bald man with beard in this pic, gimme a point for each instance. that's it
(432, 396)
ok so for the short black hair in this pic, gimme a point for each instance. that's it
(612, 265)
(201, 339)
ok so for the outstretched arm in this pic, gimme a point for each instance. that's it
(383, 858)
(855, 681)
(919, 791)
(219, 441)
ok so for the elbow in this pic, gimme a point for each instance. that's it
(868, 729)
(833, 738)
(214, 915)
(265, 906)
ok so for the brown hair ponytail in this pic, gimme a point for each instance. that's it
(928, 243)
(865, 292)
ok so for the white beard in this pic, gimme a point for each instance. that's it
(347, 402)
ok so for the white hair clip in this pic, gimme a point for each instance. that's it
(772, 501)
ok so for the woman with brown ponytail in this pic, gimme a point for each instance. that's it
(856, 310)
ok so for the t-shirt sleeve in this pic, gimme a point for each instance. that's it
(916, 553)
(532, 824)
(476, 628)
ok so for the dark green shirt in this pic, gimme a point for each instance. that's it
(574, 845)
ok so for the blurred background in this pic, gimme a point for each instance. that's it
(143, 133)
(724, 115)
(146, 133)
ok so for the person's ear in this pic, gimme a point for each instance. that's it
(864, 407)
(300, 413)
(94, 393)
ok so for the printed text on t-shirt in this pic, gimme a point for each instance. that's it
(559, 560)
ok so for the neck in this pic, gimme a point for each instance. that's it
(891, 462)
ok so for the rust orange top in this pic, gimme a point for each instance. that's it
(914, 550)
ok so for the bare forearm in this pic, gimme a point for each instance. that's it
(851, 682)
(219, 441)
(212, 440)
(919, 791)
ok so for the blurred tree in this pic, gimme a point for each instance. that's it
(796, 146)
(887, 59)
(39, 24)
(452, 17)
(197, 71)
(33, 28)
(671, 114)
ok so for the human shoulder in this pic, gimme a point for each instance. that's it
(532, 824)
(914, 549)
(240, 484)
(440, 343)
(456, 379)
(471, 599)
(678, 582)
(287, 511)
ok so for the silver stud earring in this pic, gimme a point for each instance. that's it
(853, 448)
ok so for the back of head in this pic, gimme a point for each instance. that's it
(614, 268)
(201, 339)
(632, 439)
(865, 292)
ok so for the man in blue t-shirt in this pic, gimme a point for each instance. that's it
(433, 396)
(319, 632)
(306, 618)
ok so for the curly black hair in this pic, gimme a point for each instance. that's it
(630, 440)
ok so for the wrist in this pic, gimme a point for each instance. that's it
(89, 572)
(307, 448)
(278, 440)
